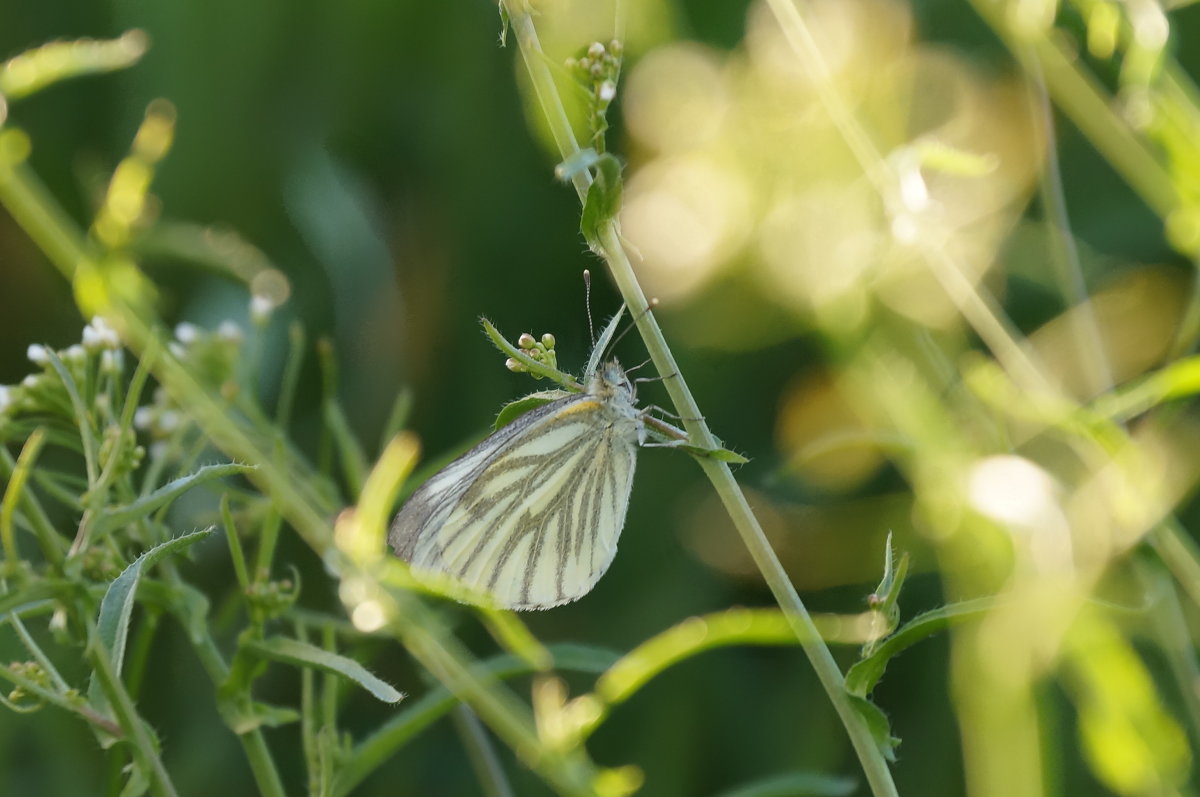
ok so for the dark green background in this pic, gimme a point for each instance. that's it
(379, 154)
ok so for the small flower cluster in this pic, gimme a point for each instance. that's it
(45, 390)
(211, 355)
(599, 70)
(600, 67)
(541, 351)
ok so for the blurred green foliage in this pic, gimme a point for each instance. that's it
(387, 159)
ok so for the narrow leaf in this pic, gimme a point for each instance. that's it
(719, 454)
(515, 409)
(603, 200)
(112, 624)
(606, 335)
(148, 504)
(422, 712)
(245, 717)
(796, 784)
(504, 24)
(303, 654)
(865, 674)
(879, 726)
(350, 451)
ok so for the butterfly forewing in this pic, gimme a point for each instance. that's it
(533, 513)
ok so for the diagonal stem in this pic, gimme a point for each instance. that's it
(730, 493)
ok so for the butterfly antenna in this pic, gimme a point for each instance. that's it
(633, 323)
(587, 300)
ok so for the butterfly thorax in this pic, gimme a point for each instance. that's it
(613, 389)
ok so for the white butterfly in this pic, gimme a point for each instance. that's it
(531, 515)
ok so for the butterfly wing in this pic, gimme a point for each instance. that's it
(532, 514)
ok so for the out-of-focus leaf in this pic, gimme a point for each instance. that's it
(244, 718)
(796, 784)
(862, 677)
(146, 505)
(878, 724)
(419, 714)
(302, 654)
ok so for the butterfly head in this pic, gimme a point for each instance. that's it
(611, 381)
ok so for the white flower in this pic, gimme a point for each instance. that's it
(143, 417)
(187, 333)
(110, 361)
(177, 349)
(596, 50)
(608, 90)
(30, 381)
(99, 335)
(6, 397)
(260, 308)
(37, 354)
(75, 353)
(168, 421)
(229, 332)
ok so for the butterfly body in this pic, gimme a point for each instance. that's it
(532, 514)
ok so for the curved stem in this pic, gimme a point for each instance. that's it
(730, 493)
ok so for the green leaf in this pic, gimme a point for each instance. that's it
(112, 624)
(34, 595)
(879, 726)
(62, 60)
(885, 599)
(719, 454)
(603, 200)
(504, 24)
(796, 784)
(865, 674)
(302, 654)
(419, 714)
(245, 716)
(515, 409)
(146, 505)
(138, 783)
(350, 451)
(606, 336)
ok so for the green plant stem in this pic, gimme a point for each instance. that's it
(52, 545)
(1179, 553)
(1078, 94)
(1067, 268)
(481, 753)
(872, 760)
(126, 713)
(254, 744)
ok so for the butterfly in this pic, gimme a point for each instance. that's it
(531, 515)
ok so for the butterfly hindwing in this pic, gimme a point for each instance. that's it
(532, 514)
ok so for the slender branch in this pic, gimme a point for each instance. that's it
(1067, 268)
(131, 722)
(718, 473)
